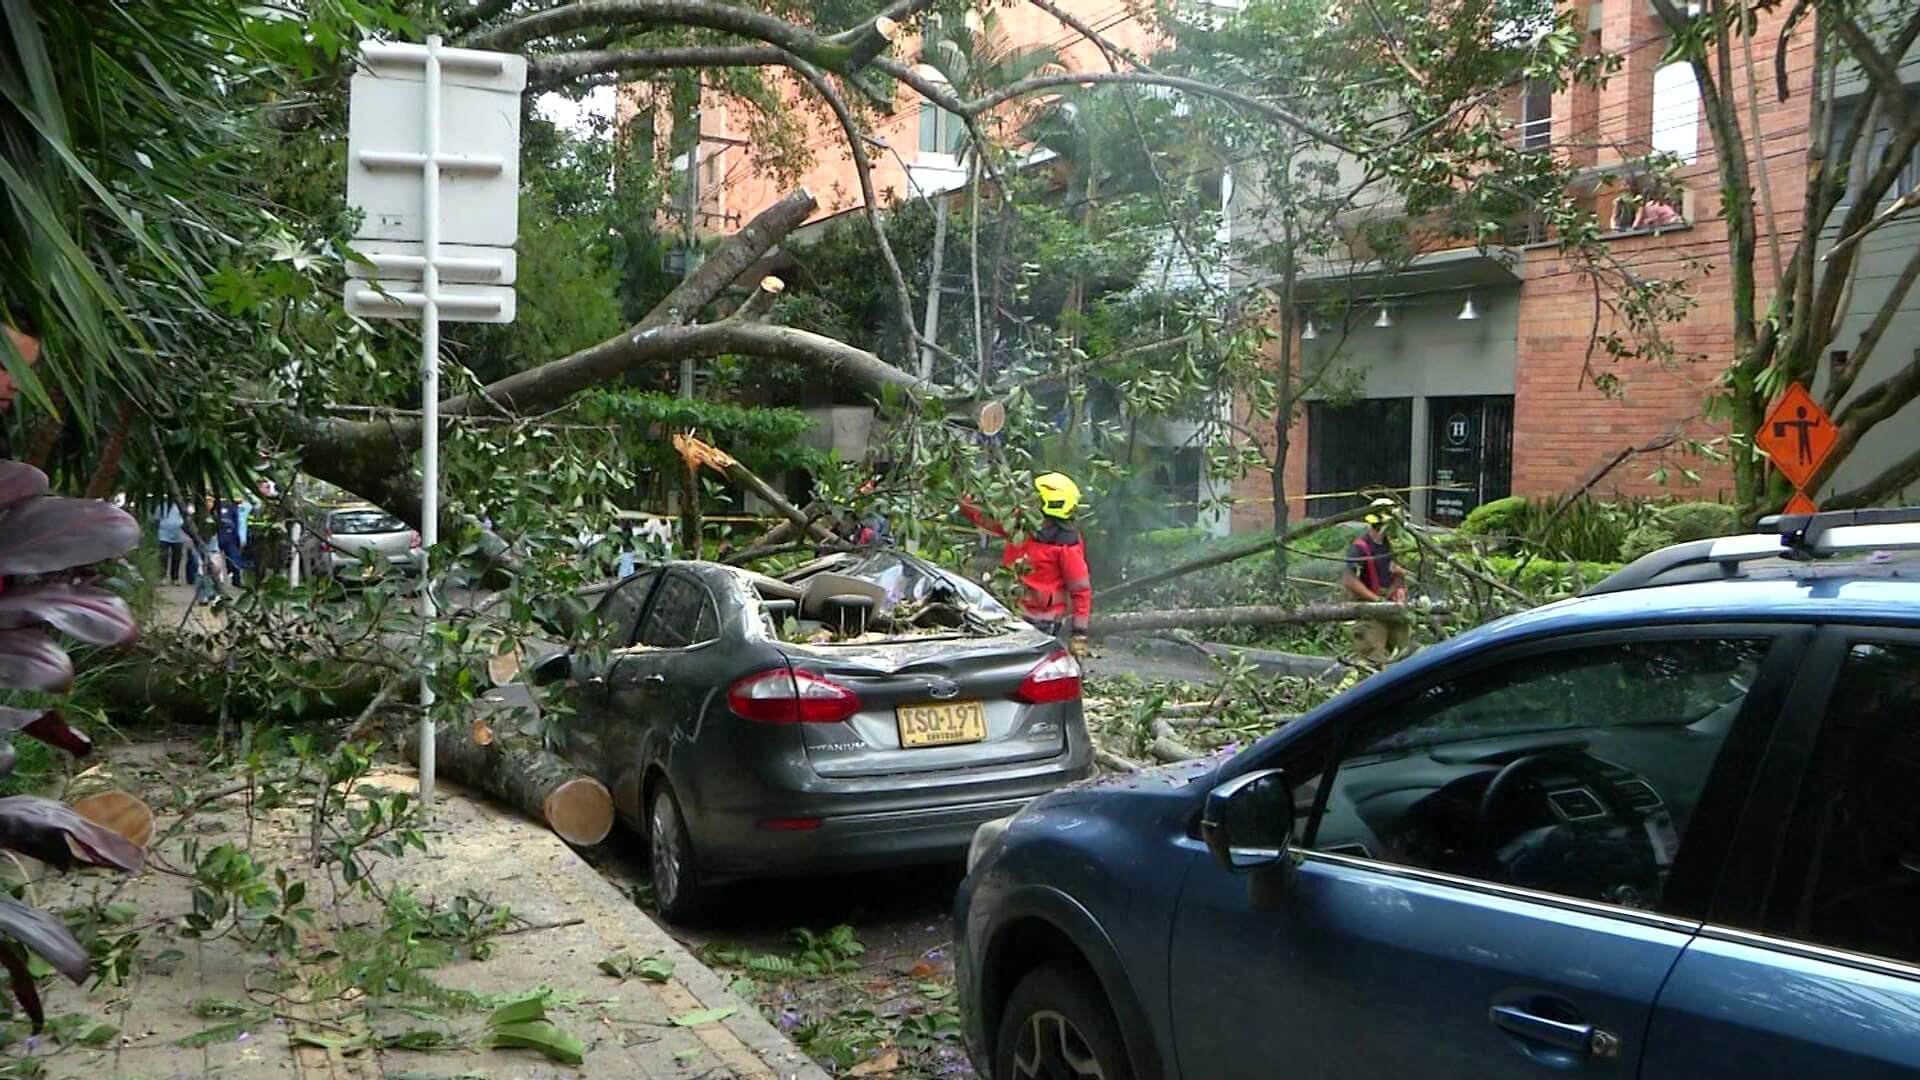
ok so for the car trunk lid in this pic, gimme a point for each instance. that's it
(936, 680)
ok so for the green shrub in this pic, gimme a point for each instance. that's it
(1644, 539)
(1699, 520)
(1550, 579)
(1501, 517)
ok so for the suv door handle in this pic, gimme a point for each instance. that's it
(1574, 1038)
(656, 678)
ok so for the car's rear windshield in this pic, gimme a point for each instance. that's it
(910, 580)
(364, 522)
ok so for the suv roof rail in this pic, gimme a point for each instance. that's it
(1782, 536)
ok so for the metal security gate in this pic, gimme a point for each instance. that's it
(1471, 455)
(1362, 445)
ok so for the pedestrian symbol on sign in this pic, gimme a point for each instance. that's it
(1797, 434)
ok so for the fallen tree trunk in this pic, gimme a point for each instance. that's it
(517, 770)
(1128, 588)
(1134, 622)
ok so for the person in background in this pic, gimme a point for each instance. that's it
(1372, 576)
(1056, 588)
(206, 526)
(229, 527)
(170, 527)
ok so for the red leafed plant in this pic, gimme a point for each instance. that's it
(40, 536)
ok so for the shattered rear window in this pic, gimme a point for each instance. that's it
(915, 582)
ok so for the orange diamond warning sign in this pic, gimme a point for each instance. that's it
(1797, 434)
(1800, 504)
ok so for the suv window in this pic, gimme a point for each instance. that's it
(1576, 772)
(1851, 873)
(618, 615)
(681, 616)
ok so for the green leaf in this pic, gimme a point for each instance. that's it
(654, 969)
(219, 1033)
(544, 1037)
(703, 1016)
(526, 1009)
(119, 913)
(98, 1035)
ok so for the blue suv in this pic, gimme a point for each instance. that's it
(1667, 830)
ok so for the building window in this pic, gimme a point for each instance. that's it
(1676, 112)
(940, 130)
(1361, 446)
(1536, 116)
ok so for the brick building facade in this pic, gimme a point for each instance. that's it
(912, 154)
(1562, 429)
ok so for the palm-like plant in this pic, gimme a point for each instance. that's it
(40, 537)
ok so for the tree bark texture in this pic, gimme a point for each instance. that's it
(518, 771)
(1134, 622)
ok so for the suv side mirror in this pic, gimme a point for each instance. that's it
(551, 669)
(1247, 822)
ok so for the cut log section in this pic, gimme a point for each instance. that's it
(118, 812)
(518, 771)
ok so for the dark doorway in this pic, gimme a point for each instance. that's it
(1350, 448)
(1472, 455)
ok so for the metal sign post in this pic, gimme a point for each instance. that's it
(433, 152)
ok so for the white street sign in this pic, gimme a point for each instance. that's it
(433, 165)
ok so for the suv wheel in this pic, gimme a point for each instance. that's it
(676, 890)
(1057, 1026)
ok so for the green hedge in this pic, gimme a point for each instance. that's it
(1550, 579)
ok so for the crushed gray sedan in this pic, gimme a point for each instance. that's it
(863, 710)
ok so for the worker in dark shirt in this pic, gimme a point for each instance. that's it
(1373, 576)
(1056, 589)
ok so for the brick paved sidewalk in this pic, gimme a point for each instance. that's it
(572, 916)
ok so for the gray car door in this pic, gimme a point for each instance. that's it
(1811, 966)
(657, 687)
(614, 625)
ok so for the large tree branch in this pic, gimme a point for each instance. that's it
(1881, 69)
(741, 251)
(544, 72)
(602, 14)
(1039, 83)
(863, 168)
(1844, 379)
(1892, 481)
(550, 384)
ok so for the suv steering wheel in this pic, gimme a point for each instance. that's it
(1525, 772)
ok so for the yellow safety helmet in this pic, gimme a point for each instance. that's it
(1381, 511)
(1058, 494)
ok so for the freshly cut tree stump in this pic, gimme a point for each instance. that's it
(520, 772)
(119, 812)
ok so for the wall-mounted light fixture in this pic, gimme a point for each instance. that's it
(1468, 313)
(1309, 333)
(1385, 320)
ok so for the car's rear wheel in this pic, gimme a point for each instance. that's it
(1057, 1026)
(676, 887)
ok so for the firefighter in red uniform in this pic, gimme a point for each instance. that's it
(1056, 590)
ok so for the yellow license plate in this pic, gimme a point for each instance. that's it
(948, 724)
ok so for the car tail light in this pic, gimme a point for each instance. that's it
(1057, 678)
(781, 696)
(413, 539)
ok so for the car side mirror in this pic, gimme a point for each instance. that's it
(551, 669)
(1247, 822)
